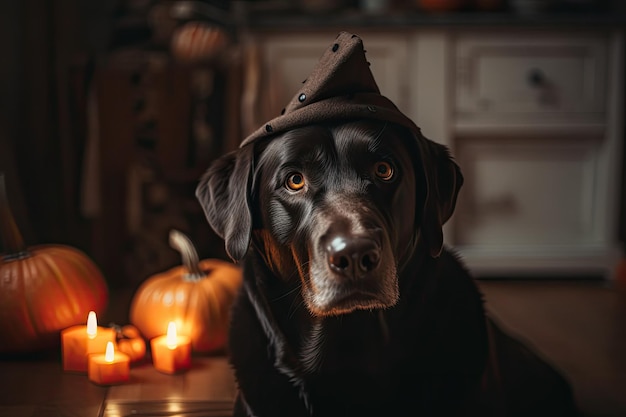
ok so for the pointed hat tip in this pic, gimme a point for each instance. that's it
(341, 70)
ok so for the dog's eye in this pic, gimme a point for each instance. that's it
(383, 170)
(295, 181)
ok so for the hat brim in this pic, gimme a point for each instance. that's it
(370, 106)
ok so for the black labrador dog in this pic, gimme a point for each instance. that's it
(351, 306)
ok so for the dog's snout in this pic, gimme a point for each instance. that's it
(353, 257)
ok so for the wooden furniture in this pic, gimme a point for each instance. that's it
(533, 114)
(159, 124)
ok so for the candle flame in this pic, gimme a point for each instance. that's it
(109, 354)
(170, 338)
(92, 325)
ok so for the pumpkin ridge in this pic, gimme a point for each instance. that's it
(66, 290)
(215, 299)
(186, 306)
(85, 270)
(41, 266)
(192, 306)
(182, 310)
(26, 272)
(172, 311)
(96, 281)
(215, 306)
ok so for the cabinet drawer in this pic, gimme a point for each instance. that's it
(528, 192)
(530, 78)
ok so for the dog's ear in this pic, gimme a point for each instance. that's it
(443, 181)
(224, 192)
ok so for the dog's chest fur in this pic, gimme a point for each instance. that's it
(368, 362)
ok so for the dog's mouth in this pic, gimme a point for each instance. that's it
(325, 296)
(350, 301)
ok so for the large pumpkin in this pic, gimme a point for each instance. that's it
(43, 289)
(196, 295)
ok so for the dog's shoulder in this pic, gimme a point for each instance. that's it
(457, 309)
(451, 264)
(448, 278)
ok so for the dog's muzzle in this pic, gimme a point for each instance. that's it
(352, 268)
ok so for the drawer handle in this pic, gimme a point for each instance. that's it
(536, 78)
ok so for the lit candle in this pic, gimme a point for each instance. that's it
(109, 368)
(171, 353)
(78, 342)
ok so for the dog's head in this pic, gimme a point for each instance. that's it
(340, 207)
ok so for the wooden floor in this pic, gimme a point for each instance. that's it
(208, 389)
(39, 388)
(578, 326)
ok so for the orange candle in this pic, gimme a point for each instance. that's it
(109, 368)
(78, 342)
(171, 353)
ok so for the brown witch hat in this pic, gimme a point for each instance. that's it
(340, 87)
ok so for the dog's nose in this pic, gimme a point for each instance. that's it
(353, 257)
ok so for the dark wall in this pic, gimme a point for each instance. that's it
(40, 146)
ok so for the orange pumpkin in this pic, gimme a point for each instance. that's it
(130, 342)
(43, 289)
(198, 41)
(440, 5)
(197, 296)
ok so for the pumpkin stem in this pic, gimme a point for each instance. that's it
(188, 253)
(12, 241)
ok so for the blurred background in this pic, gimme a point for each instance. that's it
(112, 110)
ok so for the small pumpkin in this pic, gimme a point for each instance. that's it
(130, 341)
(441, 5)
(196, 295)
(198, 41)
(43, 289)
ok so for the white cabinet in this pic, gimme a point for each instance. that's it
(529, 197)
(536, 129)
(534, 118)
